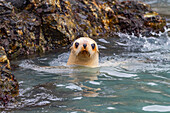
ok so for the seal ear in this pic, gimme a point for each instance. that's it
(98, 50)
(71, 45)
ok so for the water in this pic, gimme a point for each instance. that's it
(134, 76)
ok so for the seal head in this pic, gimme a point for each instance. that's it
(84, 52)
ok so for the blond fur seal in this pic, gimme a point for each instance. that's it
(84, 52)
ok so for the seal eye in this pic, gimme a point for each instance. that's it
(76, 44)
(93, 46)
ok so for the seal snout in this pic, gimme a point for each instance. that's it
(84, 45)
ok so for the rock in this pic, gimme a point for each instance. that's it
(22, 32)
(20, 4)
(42, 25)
(99, 18)
(9, 87)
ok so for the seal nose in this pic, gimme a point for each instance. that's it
(84, 45)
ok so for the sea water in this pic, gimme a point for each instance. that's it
(134, 76)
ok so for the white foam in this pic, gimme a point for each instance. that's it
(101, 47)
(110, 108)
(156, 108)
(77, 98)
(43, 103)
(152, 84)
(103, 40)
(117, 74)
(61, 60)
(60, 85)
(94, 83)
(73, 87)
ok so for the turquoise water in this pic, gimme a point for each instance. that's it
(134, 76)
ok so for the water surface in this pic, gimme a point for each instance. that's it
(134, 76)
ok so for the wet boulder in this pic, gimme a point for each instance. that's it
(98, 17)
(22, 32)
(139, 18)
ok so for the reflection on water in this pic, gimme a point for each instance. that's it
(134, 76)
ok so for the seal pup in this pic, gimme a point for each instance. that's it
(84, 52)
